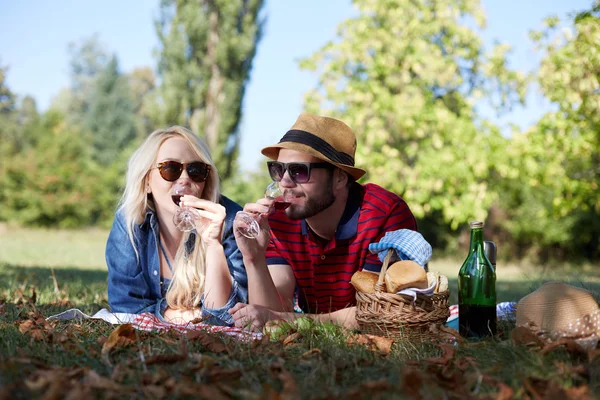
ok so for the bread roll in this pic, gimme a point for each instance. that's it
(364, 281)
(443, 283)
(433, 277)
(405, 274)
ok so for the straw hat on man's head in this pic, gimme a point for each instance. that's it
(557, 310)
(328, 139)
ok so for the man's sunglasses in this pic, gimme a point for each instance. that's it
(171, 170)
(299, 172)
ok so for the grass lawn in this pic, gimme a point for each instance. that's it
(66, 359)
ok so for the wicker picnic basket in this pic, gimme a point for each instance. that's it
(396, 316)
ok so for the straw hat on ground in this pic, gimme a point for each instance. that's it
(328, 139)
(557, 310)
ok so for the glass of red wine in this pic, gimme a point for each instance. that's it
(184, 217)
(248, 226)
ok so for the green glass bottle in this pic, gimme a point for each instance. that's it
(477, 290)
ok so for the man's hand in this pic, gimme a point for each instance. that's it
(253, 249)
(251, 317)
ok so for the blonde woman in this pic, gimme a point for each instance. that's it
(152, 265)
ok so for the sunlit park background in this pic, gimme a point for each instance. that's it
(468, 109)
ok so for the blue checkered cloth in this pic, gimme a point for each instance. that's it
(409, 245)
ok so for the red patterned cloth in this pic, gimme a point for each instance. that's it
(149, 322)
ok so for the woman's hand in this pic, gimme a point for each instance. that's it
(210, 223)
(255, 248)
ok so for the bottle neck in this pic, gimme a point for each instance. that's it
(476, 239)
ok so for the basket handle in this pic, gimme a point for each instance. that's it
(379, 286)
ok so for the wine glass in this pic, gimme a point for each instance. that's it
(184, 217)
(248, 224)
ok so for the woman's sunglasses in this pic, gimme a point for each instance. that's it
(171, 170)
(299, 172)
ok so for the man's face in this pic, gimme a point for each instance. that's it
(312, 197)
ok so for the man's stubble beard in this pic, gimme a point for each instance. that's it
(315, 205)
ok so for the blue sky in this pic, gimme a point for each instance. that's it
(34, 35)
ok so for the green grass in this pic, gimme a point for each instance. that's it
(67, 270)
(513, 281)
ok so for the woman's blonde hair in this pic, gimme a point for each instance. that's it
(189, 268)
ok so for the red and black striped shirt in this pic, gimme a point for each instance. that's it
(323, 271)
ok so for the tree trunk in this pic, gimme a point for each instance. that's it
(215, 86)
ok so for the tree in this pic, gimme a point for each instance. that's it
(553, 194)
(54, 183)
(142, 84)
(8, 127)
(206, 54)
(88, 59)
(110, 116)
(407, 75)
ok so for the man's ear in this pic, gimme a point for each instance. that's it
(340, 178)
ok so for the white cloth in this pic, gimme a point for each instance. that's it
(413, 291)
(104, 314)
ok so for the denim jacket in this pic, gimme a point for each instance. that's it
(134, 283)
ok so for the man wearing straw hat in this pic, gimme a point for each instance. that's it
(310, 251)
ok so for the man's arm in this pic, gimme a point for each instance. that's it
(345, 317)
(254, 317)
(271, 287)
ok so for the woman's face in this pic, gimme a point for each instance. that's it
(172, 149)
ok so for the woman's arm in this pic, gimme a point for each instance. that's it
(217, 286)
(217, 283)
(128, 290)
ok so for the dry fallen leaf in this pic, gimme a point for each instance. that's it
(412, 382)
(373, 342)
(312, 352)
(536, 387)
(122, 336)
(212, 342)
(154, 391)
(370, 387)
(290, 386)
(201, 361)
(523, 336)
(447, 354)
(39, 329)
(291, 338)
(219, 374)
(576, 393)
(166, 359)
(445, 333)
(94, 380)
(505, 392)
(201, 391)
(570, 345)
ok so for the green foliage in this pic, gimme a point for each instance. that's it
(552, 193)
(88, 59)
(406, 76)
(206, 55)
(246, 187)
(54, 183)
(9, 135)
(110, 117)
(142, 84)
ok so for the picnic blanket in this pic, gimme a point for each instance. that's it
(408, 245)
(505, 311)
(150, 322)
